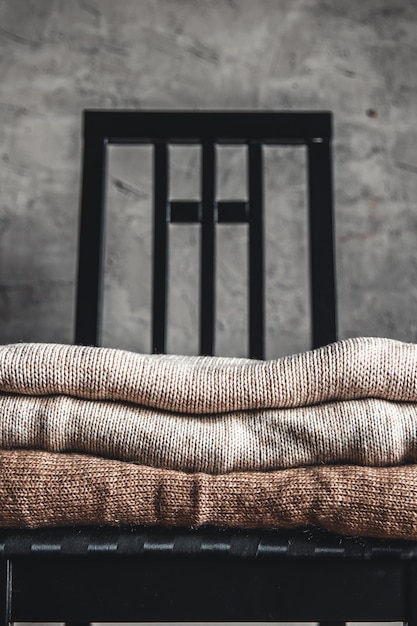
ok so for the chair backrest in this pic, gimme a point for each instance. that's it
(207, 129)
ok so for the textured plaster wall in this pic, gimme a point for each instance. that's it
(356, 58)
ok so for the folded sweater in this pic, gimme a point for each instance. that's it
(346, 370)
(47, 489)
(363, 432)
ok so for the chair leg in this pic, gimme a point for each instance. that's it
(411, 595)
(5, 589)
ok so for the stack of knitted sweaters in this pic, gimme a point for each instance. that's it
(102, 436)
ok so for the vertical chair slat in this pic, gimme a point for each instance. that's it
(411, 594)
(207, 284)
(160, 248)
(256, 253)
(321, 233)
(91, 239)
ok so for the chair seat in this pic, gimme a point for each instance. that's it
(157, 574)
(305, 542)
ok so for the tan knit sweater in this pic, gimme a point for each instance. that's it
(46, 489)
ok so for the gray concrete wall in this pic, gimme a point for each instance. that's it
(356, 58)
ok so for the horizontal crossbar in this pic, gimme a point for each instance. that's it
(217, 126)
(232, 212)
(191, 212)
(185, 212)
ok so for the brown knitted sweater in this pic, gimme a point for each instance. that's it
(47, 489)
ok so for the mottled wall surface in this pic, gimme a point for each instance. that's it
(356, 58)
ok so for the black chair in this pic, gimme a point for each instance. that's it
(79, 575)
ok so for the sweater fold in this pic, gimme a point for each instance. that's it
(346, 370)
(363, 432)
(47, 489)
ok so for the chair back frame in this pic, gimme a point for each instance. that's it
(252, 128)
